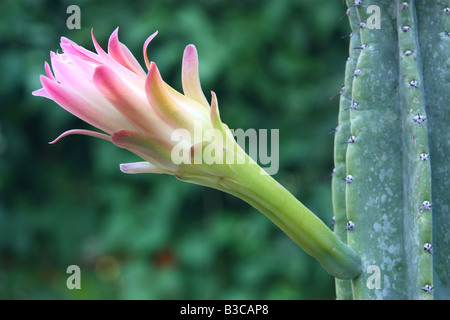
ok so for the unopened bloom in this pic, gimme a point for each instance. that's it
(136, 110)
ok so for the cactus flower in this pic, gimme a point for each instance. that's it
(136, 110)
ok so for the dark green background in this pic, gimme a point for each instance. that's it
(273, 65)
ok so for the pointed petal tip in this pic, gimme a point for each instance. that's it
(115, 34)
(47, 85)
(153, 74)
(214, 101)
(40, 93)
(215, 114)
(156, 90)
(94, 41)
(153, 67)
(146, 43)
(150, 38)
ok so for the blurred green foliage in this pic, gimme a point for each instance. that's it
(273, 65)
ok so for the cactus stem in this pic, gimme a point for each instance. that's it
(344, 287)
(399, 197)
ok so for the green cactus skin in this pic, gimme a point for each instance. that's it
(398, 199)
(343, 287)
(435, 42)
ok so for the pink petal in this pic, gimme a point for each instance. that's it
(121, 54)
(72, 49)
(158, 95)
(146, 43)
(147, 146)
(124, 72)
(79, 82)
(80, 107)
(171, 106)
(69, 73)
(48, 71)
(84, 67)
(41, 93)
(215, 115)
(102, 53)
(190, 77)
(141, 167)
(132, 104)
(83, 132)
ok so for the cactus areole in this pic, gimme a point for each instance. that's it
(398, 197)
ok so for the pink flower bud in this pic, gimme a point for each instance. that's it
(134, 109)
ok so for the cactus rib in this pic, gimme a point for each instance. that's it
(397, 159)
(343, 287)
(434, 37)
(416, 169)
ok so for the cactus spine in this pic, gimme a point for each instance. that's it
(393, 139)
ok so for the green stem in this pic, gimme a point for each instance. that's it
(297, 221)
(249, 183)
